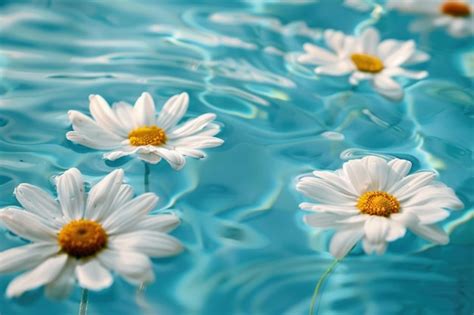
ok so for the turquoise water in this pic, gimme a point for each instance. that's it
(247, 250)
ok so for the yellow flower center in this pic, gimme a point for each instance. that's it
(82, 238)
(455, 8)
(378, 203)
(147, 135)
(367, 63)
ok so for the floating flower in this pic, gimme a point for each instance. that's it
(375, 201)
(456, 15)
(366, 58)
(139, 130)
(83, 236)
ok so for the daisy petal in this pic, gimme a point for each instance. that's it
(124, 113)
(150, 243)
(378, 171)
(62, 286)
(37, 201)
(396, 231)
(378, 248)
(175, 159)
(370, 40)
(357, 175)
(339, 68)
(134, 267)
(102, 195)
(91, 143)
(376, 229)
(130, 213)
(87, 127)
(431, 233)
(105, 116)
(323, 220)
(344, 240)
(144, 110)
(70, 187)
(400, 168)
(388, 87)
(26, 225)
(93, 276)
(402, 54)
(411, 183)
(317, 55)
(42, 274)
(159, 223)
(26, 256)
(173, 110)
(151, 158)
(192, 126)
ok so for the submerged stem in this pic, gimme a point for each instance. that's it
(320, 283)
(146, 177)
(84, 302)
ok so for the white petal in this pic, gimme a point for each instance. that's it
(173, 110)
(124, 114)
(387, 87)
(400, 72)
(62, 286)
(102, 195)
(197, 142)
(124, 195)
(192, 126)
(358, 76)
(376, 229)
(151, 158)
(396, 231)
(317, 55)
(435, 195)
(93, 143)
(144, 110)
(26, 225)
(175, 159)
(70, 187)
(378, 171)
(344, 210)
(323, 193)
(356, 173)
(340, 68)
(378, 248)
(93, 276)
(115, 155)
(199, 154)
(37, 277)
(37, 201)
(411, 183)
(134, 267)
(402, 54)
(150, 243)
(335, 40)
(344, 240)
(130, 213)
(26, 256)
(159, 223)
(105, 116)
(87, 127)
(400, 168)
(431, 233)
(428, 214)
(331, 178)
(370, 40)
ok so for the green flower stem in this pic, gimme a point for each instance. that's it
(84, 302)
(320, 283)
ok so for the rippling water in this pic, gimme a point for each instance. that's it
(247, 251)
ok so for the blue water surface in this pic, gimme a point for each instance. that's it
(247, 250)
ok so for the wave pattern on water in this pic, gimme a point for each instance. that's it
(247, 249)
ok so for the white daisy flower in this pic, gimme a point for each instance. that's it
(84, 236)
(455, 15)
(366, 58)
(138, 130)
(375, 201)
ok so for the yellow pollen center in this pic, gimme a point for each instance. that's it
(147, 135)
(82, 238)
(456, 9)
(367, 63)
(378, 203)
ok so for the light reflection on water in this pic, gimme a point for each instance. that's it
(247, 249)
